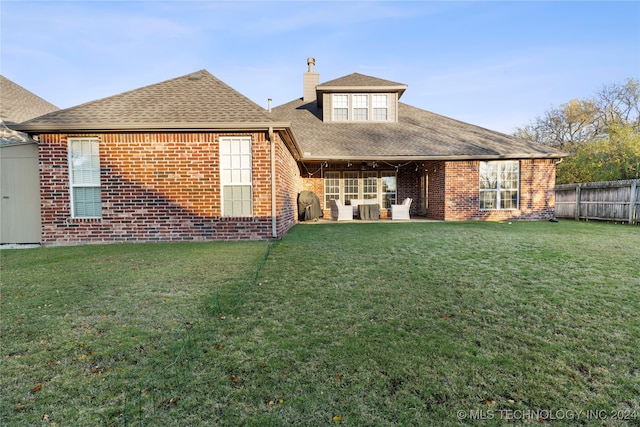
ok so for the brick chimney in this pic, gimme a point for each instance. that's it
(311, 80)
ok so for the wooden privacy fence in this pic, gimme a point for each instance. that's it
(608, 201)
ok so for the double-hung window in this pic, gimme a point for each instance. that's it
(360, 107)
(380, 107)
(370, 185)
(499, 183)
(350, 183)
(331, 187)
(236, 180)
(340, 107)
(84, 177)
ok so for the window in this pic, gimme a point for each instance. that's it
(388, 189)
(360, 107)
(350, 183)
(380, 107)
(369, 185)
(340, 107)
(84, 176)
(331, 187)
(499, 182)
(235, 169)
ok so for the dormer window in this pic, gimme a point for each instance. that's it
(380, 107)
(360, 107)
(355, 98)
(340, 108)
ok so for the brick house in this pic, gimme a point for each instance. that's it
(359, 141)
(192, 159)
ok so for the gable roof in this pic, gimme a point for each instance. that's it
(356, 82)
(18, 104)
(418, 135)
(190, 102)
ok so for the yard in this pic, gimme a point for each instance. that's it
(354, 324)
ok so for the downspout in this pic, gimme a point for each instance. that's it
(274, 228)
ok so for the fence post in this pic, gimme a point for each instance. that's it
(577, 210)
(632, 202)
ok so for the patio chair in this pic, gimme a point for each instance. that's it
(401, 211)
(340, 212)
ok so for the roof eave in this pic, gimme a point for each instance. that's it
(364, 89)
(291, 142)
(515, 156)
(151, 127)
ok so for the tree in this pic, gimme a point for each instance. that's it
(565, 127)
(603, 133)
(581, 120)
(613, 157)
(621, 104)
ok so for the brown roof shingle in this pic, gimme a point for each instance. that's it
(196, 100)
(418, 134)
(18, 104)
(360, 80)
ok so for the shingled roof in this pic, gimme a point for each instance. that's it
(17, 104)
(194, 101)
(418, 135)
(360, 81)
(357, 82)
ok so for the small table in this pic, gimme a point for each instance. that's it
(369, 211)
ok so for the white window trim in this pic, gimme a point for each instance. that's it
(382, 192)
(375, 107)
(374, 176)
(356, 107)
(334, 107)
(361, 176)
(327, 195)
(73, 186)
(350, 177)
(499, 188)
(351, 107)
(248, 182)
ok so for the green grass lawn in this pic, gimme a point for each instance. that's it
(355, 324)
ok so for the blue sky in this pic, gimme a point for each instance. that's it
(497, 64)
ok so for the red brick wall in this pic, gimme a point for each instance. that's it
(159, 187)
(436, 189)
(453, 190)
(408, 185)
(288, 186)
(461, 195)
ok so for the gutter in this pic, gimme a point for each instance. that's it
(274, 220)
(516, 156)
(149, 127)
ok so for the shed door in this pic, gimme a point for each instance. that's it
(19, 194)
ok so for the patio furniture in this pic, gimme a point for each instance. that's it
(369, 211)
(309, 206)
(340, 212)
(357, 202)
(401, 211)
